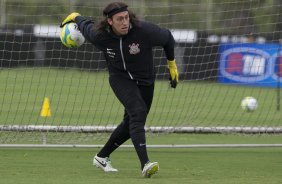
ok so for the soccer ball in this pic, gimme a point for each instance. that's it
(249, 104)
(71, 36)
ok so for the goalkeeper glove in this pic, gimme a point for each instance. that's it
(173, 73)
(70, 18)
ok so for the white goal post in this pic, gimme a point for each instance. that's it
(225, 51)
(160, 129)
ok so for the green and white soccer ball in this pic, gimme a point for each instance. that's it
(249, 104)
(71, 36)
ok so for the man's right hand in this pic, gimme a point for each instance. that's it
(70, 18)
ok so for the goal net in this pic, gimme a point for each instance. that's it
(225, 51)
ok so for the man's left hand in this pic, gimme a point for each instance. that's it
(173, 73)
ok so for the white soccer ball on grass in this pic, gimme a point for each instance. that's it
(249, 104)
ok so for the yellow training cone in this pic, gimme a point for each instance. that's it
(45, 111)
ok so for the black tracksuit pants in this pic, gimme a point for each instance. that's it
(137, 100)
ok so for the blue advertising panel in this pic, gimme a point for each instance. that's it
(250, 64)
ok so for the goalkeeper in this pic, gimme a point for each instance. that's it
(127, 45)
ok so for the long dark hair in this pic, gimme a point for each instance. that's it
(103, 24)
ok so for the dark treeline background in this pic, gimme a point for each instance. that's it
(228, 16)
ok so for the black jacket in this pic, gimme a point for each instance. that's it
(130, 55)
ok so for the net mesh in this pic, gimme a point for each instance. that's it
(213, 78)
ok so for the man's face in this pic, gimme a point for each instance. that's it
(120, 23)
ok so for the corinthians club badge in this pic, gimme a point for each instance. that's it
(134, 48)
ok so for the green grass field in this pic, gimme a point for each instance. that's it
(177, 165)
(85, 98)
(194, 166)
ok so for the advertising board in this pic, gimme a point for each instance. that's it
(250, 64)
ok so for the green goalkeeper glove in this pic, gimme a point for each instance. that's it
(173, 73)
(70, 18)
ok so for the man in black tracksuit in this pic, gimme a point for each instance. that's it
(127, 46)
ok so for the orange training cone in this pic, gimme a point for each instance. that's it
(45, 111)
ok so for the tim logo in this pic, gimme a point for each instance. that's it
(244, 64)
